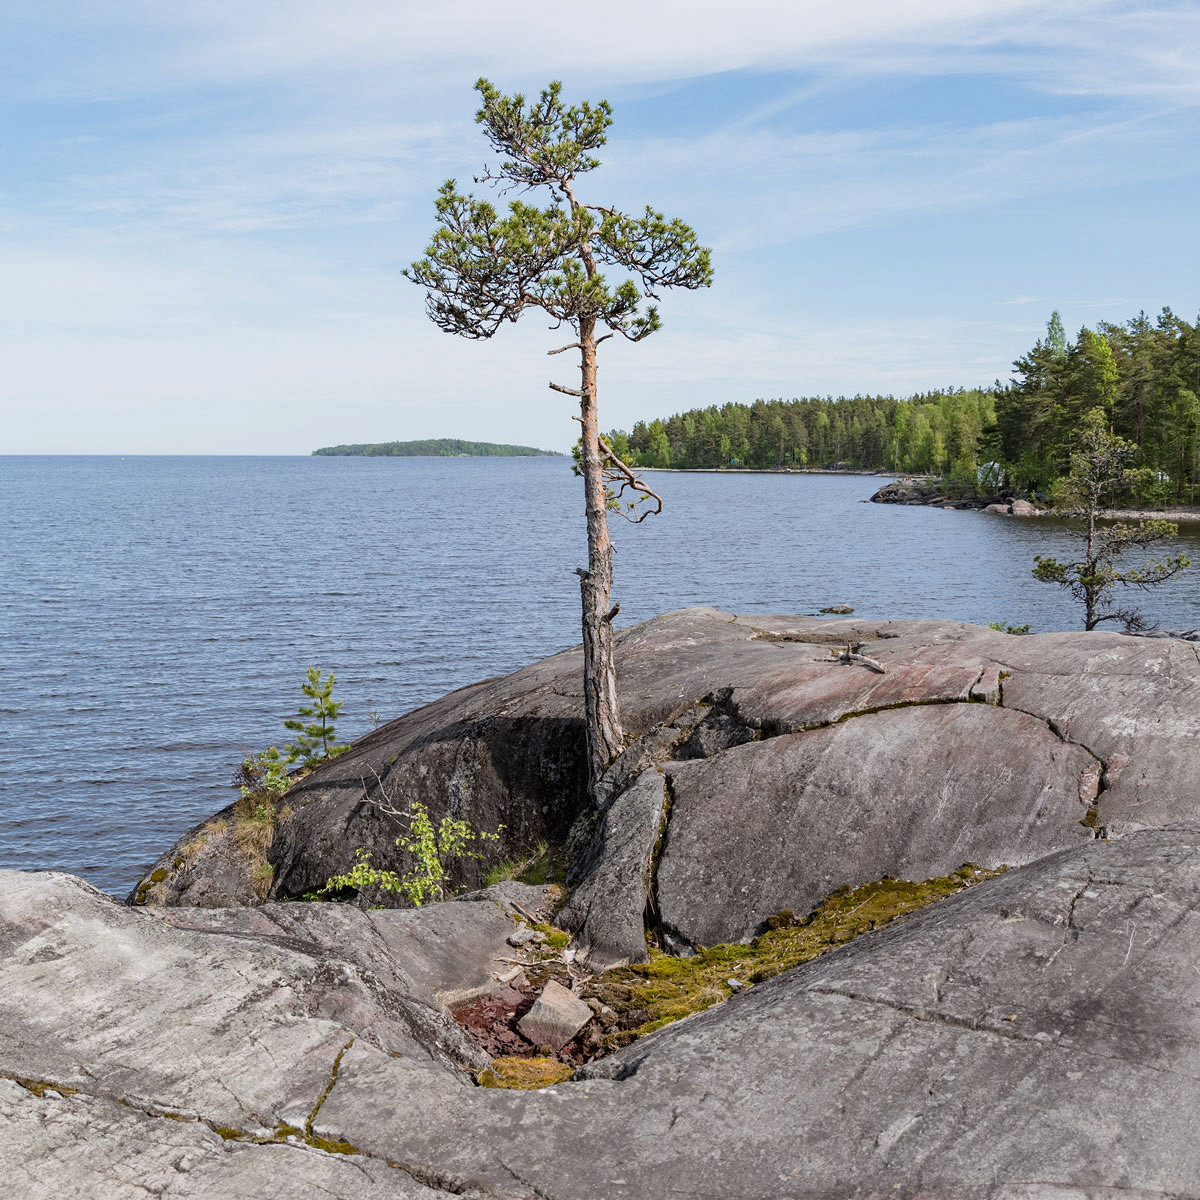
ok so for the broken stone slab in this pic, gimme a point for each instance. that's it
(807, 695)
(555, 1018)
(782, 823)
(606, 911)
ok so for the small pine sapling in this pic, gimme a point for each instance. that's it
(314, 724)
(1099, 468)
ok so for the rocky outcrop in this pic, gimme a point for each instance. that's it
(769, 767)
(933, 492)
(1033, 1036)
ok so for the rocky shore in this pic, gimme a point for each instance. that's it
(1032, 1035)
(931, 491)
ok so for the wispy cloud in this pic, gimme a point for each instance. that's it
(207, 205)
(133, 46)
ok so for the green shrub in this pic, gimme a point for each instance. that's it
(435, 847)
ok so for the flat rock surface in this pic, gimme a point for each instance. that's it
(1036, 1036)
(239, 1024)
(88, 1147)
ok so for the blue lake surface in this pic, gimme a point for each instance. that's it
(157, 615)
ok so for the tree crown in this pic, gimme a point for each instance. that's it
(482, 269)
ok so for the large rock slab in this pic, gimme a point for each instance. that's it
(238, 1025)
(1137, 710)
(442, 955)
(912, 792)
(1001, 713)
(54, 1146)
(1034, 1036)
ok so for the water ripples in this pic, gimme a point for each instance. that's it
(157, 615)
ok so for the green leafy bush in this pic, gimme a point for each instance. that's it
(435, 847)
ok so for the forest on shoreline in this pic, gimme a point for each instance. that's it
(1144, 374)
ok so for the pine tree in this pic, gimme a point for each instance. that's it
(316, 738)
(1099, 467)
(482, 269)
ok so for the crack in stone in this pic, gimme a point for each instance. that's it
(333, 1074)
(925, 1014)
(427, 1177)
(534, 1192)
(974, 1025)
(652, 918)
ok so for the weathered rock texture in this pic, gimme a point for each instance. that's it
(1035, 1036)
(765, 770)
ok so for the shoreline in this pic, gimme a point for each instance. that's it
(764, 471)
(924, 491)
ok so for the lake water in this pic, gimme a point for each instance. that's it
(157, 615)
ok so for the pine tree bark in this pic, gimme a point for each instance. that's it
(602, 709)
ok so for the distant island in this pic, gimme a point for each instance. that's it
(436, 448)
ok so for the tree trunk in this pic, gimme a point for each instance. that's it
(1089, 558)
(602, 711)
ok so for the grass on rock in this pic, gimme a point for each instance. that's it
(647, 996)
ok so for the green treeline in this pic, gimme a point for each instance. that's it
(434, 448)
(1144, 375)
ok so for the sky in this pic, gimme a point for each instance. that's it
(206, 207)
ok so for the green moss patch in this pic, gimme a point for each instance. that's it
(39, 1087)
(647, 996)
(526, 1074)
(555, 939)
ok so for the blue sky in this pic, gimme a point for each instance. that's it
(205, 207)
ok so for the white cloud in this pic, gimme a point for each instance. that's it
(216, 265)
(145, 45)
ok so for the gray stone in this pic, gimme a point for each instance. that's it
(1023, 508)
(607, 910)
(555, 1018)
(785, 822)
(1033, 1036)
(1004, 509)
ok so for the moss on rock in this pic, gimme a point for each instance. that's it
(525, 1074)
(647, 996)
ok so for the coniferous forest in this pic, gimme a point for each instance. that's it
(1144, 374)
